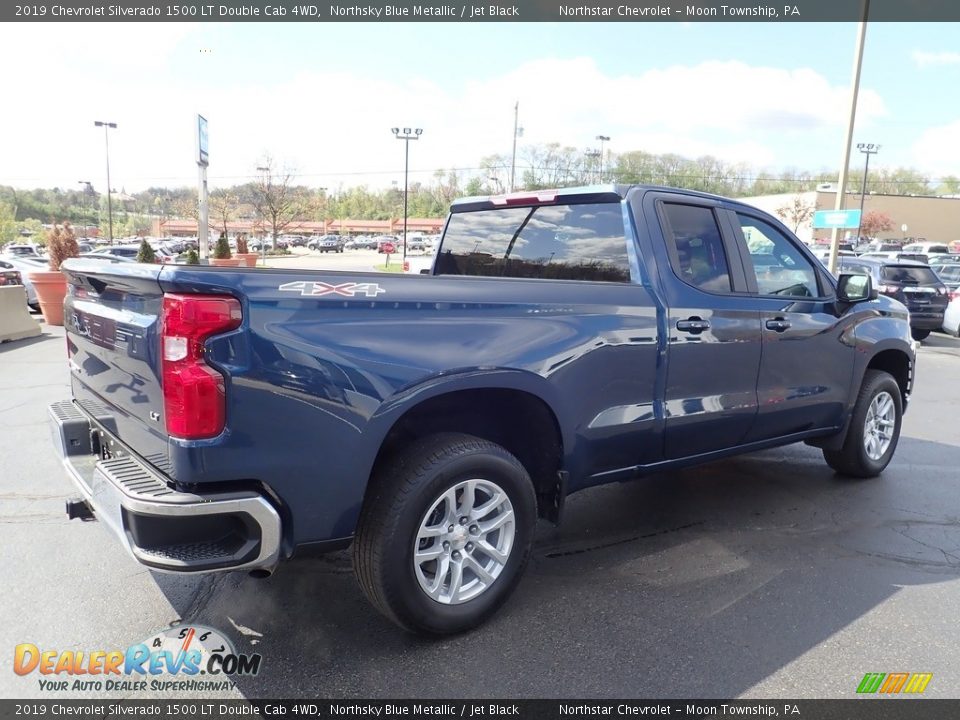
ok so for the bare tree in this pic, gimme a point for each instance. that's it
(223, 205)
(277, 201)
(796, 212)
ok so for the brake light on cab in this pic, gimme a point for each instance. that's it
(194, 395)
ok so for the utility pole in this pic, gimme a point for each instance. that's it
(106, 138)
(602, 139)
(513, 156)
(854, 89)
(203, 217)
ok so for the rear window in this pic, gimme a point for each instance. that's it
(904, 274)
(549, 242)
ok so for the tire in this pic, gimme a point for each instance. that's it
(406, 510)
(854, 458)
(919, 335)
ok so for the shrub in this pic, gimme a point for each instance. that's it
(221, 251)
(242, 244)
(146, 254)
(192, 257)
(61, 244)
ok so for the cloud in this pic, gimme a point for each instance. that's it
(923, 58)
(937, 149)
(333, 126)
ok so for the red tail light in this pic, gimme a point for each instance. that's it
(194, 397)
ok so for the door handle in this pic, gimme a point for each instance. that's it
(693, 325)
(778, 325)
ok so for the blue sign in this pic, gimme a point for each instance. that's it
(203, 147)
(836, 219)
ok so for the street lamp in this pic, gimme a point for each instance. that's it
(106, 138)
(593, 154)
(602, 139)
(407, 135)
(88, 190)
(867, 149)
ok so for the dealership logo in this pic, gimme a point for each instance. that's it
(318, 289)
(894, 683)
(183, 651)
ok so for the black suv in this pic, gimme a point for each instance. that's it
(912, 283)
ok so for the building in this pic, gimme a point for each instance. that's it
(915, 217)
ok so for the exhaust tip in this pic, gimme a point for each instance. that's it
(260, 573)
(77, 509)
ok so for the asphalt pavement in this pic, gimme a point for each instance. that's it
(761, 576)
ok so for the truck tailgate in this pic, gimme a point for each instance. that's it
(112, 318)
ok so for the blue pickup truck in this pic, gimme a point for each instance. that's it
(227, 419)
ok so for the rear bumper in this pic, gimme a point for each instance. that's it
(162, 528)
(926, 319)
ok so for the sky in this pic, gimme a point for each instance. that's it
(321, 98)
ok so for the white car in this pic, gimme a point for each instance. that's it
(951, 317)
(25, 267)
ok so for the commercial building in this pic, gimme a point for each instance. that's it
(919, 218)
(177, 227)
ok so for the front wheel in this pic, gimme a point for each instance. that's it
(919, 335)
(445, 533)
(874, 428)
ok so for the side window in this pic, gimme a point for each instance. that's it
(548, 242)
(780, 267)
(696, 247)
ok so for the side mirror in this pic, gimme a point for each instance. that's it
(855, 287)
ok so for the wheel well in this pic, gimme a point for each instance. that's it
(897, 363)
(519, 422)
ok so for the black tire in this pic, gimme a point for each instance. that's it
(402, 491)
(919, 335)
(852, 459)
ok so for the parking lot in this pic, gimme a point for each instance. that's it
(762, 576)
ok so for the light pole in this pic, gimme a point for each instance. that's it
(602, 139)
(593, 154)
(88, 190)
(106, 138)
(407, 135)
(867, 149)
(268, 191)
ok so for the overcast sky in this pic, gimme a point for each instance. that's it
(322, 98)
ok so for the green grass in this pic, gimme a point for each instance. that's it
(392, 267)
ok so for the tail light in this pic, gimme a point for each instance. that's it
(194, 396)
(888, 288)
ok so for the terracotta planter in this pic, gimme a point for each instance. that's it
(249, 259)
(226, 262)
(51, 287)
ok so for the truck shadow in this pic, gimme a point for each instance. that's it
(700, 583)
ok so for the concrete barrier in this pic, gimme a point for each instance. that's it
(15, 321)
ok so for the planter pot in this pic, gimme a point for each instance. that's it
(226, 262)
(51, 288)
(248, 259)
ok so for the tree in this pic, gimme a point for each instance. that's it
(145, 253)
(221, 251)
(875, 222)
(223, 204)
(277, 201)
(8, 225)
(796, 212)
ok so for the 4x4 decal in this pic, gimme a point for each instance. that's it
(348, 289)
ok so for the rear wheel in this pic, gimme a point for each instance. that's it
(919, 335)
(874, 428)
(445, 533)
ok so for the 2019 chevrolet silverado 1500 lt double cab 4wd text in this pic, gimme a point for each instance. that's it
(226, 418)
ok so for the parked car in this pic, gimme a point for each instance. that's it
(948, 259)
(949, 274)
(364, 242)
(121, 251)
(9, 275)
(927, 248)
(21, 249)
(327, 243)
(951, 316)
(416, 243)
(452, 411)
(914, 284)
(25, 266)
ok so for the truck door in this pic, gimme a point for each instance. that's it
(808, 350)
(714, 341)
